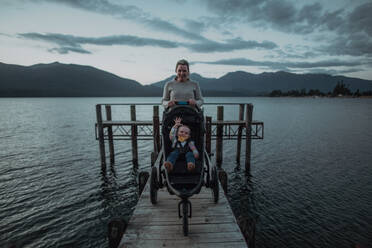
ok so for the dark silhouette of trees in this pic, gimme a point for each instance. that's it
(276, 93)
(340, 89)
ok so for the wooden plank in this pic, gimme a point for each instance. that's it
(197, 228)
(182, 243)
(211, 225)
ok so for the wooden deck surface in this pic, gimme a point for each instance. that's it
(211, 225)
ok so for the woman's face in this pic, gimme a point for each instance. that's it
(182, 73)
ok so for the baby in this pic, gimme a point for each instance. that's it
(181, 144)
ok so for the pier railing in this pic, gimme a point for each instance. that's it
(107, 129)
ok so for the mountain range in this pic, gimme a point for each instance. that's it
(62, 80)
(57, 80)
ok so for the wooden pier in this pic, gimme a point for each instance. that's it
(245, 128)
(212, 225)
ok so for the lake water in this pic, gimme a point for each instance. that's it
(310, 183)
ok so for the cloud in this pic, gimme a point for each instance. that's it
(196, 26)
(65, 50)
(360, 19)
(355, 35)
(281, 15)
(348, 32)
(334, 72)
(6, 35)
(358, 44)
(229, 45)
(283, 65)
(129, 12)
(71, 43)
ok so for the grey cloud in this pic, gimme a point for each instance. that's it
(59, 39)
(129, 12)
(228, 7)
(335, 72)
(229, 45)
(70, 43)
(359, 44)
(360, 20)
(310, 13)
(352, 28)
(65, 50)
(195, 26)
(283, 65)
(332, 21)
(280, 15)
(354, 33)
(284, 16)
(292, 54)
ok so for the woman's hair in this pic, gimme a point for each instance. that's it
(182, 62)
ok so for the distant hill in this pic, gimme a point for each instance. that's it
(202, 82)
(245, 83)
(56, 80)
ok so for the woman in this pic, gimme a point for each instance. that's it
(181, 88)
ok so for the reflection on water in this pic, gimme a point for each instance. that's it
(309, 184)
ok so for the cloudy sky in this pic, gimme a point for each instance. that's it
(143, 39)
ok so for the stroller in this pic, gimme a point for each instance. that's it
(180, 181)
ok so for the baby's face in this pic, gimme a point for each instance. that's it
(184, 132)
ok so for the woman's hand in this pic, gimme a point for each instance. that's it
(191, 102)
(171, 103)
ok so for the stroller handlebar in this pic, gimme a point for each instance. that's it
(183, 104)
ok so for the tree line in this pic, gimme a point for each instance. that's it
(340, 89)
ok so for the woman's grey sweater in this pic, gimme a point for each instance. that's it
(182, 91)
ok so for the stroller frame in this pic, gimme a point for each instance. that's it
(179, 181)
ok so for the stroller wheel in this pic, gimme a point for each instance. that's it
(214, 185)
(154, 185)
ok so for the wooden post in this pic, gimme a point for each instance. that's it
(240, 130)
(156, 132)
(219, 136)
(110, 136)
(134, 134)
(101, 137)
(208, 134)
(248, 128)
(143, 176)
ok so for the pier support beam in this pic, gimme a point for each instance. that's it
(219, 136)
(208, 134)
(248, 128)
(101, 137)
(240, 130)
(109, 131)
(155, 134)
(156, 131)
(134, 135)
